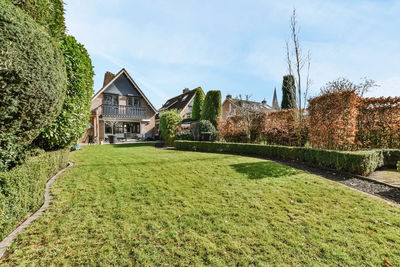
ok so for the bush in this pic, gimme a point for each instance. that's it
(198, 102)
(212, 107)
(207, 127)
(169, 122)
(363, 163)
(32, 81)
(184, 135)
(22, 188)
(72, 122)
(47, 13)
(233, 129)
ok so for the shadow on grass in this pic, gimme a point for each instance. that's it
(264, 169)
(132, 145)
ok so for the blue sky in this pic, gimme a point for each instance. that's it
(237, 47)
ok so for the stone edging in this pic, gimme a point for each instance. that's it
(4, 244)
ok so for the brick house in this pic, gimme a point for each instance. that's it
(121, 109)
(230, 106)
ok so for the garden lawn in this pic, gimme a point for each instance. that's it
(137, 205)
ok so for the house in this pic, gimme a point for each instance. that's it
(234, 106)
(121, 109)
(183, 103)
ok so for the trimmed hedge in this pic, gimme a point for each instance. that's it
(47, 13)
(363, 162)
(198, 102)
(212, 108)
(33, 81)
(73, 119)
(22, 188)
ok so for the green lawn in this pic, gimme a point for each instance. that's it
(137, 205)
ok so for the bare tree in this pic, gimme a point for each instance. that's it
(296, 59)
(308, 80)
(344, 84)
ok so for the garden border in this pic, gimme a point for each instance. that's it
(6, 242)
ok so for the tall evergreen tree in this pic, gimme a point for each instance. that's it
(275, 104)
(212, 107)
(198, 102)
(288, 93)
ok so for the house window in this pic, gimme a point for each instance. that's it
(110, 99)
(118, 128)
(133, 101)
(108, 127)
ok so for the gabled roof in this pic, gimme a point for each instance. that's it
(179, 102)
(250, 104)
(121, 72)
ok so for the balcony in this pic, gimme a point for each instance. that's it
(122, 111)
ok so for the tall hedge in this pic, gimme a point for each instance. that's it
(72, 122)
(47, 13)
(22, 188)
(32, 81)
(212, 107)
(198, 102)
(169, 122)
(288, 93)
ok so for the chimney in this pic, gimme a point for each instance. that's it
(264, 102)
(229, 96)
(185, 90)
(108, 76)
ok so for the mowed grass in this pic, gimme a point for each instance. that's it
(137, 205)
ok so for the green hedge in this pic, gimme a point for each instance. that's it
(33, 81)
(212, 108)
(47, 13)
(73, 119)
(22, 188)
(398, 166)
(363, 162)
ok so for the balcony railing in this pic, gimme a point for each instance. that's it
(121, 111)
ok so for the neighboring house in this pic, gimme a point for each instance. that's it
(183, 103)
(120, 108)
(233, 106)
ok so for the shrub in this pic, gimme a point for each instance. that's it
(379, 123)
(212, 107)
(47, 13)
(333, 120)
(32, 81)
(288, 93)
(233, 129)
(207, 127)
(198, 102)
(184, 135)
(72, 122)
(362, 163)
(22, 188)
(283, 128)
(169, 122)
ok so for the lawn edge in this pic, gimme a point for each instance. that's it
(8, 240)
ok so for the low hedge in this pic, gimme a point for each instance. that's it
(22, 188)
(362, 162)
